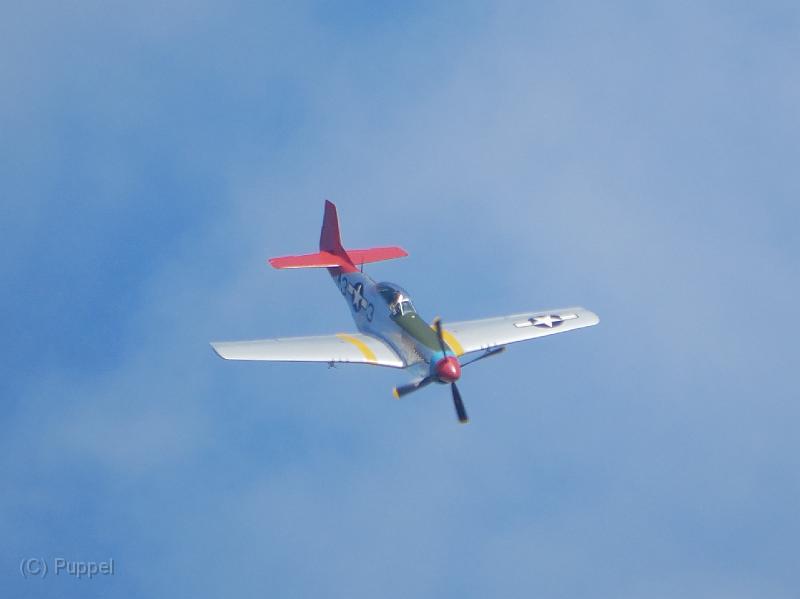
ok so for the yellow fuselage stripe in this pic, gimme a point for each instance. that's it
(363, 347)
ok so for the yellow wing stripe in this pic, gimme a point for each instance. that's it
(362, 347)
(452, 342)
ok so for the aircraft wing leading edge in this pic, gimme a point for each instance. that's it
(342, 347)
(474, 335)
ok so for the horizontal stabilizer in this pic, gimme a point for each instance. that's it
(330, 260)
(376, 254)
(318, 260)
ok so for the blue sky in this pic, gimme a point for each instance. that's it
(640, 160)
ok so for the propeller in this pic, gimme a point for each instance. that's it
(461, 412)
(411, 387)
(448, 369)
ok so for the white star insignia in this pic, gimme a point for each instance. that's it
(546, 320)
(357, 296)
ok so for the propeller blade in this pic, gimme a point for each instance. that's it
(402, 390)
(437, 323)
(461, 412)
(489, 353)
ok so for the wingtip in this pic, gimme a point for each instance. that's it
(213, 345)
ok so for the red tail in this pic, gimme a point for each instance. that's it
(331, 252)
(330, 239)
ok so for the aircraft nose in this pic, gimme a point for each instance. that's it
(448, 369)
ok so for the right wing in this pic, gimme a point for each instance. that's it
(350, 347)
(473, 335)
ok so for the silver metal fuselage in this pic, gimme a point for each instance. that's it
(372, 316)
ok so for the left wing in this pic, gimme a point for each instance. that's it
(342, 347)
(473, 335)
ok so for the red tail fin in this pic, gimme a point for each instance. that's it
(331, 252)
(329, 238)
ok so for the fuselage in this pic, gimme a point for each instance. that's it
(385, 311)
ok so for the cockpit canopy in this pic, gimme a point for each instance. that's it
(397, 298)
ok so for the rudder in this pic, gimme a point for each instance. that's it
(329, 238)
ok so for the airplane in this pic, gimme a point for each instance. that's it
(391, 331)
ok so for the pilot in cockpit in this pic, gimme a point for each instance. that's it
(401, 305)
